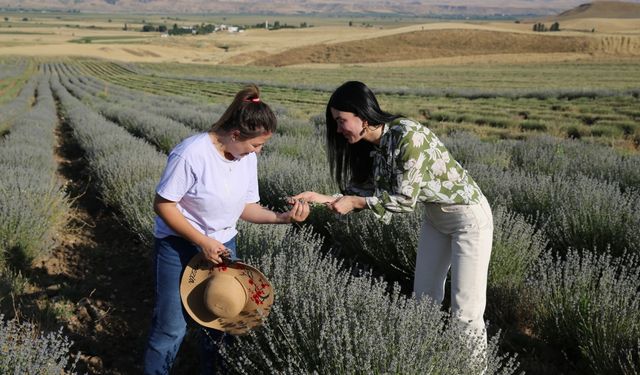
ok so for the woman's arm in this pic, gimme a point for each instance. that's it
(313, 197)
(168, 211)
(255, 213)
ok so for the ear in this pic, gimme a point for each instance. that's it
(235, 135)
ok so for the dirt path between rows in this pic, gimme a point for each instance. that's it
(102, 270)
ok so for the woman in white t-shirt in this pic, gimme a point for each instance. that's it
(210, 181)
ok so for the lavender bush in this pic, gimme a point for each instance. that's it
(327, 320)
(24, 350)
(588, 305)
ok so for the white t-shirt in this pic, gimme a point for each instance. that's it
(211, 191)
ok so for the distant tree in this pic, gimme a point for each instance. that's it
(25, 19)
(109, 20)
(162, 28)
(6, 19)
(539, 27)
(276, 25)
(148, 28)
(303, 24)
(350, 23)
(125, 28)
(555, 27)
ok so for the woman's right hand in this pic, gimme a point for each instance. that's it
(312, 196)
(213, 250)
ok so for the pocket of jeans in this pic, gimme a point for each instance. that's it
(452, 218)
(483, 215)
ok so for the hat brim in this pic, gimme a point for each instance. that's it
(259, 292)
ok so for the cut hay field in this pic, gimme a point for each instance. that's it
(548, 124)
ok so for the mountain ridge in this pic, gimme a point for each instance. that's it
(444, 8)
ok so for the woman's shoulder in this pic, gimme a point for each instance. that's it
(402, 126)
(191, 144)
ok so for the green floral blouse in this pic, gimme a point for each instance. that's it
(412, 165)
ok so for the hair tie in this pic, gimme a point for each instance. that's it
(253, 100)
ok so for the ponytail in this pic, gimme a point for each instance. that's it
(248, 114)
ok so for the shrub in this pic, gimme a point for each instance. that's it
(534, 125)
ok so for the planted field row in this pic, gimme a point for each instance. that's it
(126, 167)
(12, 68)
(608, 116)
(10, 111)
(196, 116)
(34, 204)
(162, 132)
(618, 75)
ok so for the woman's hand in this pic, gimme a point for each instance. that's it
(298, 212)
(344, 205)
(312, 196)
(213, 250)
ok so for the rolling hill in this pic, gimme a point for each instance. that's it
(602, 9)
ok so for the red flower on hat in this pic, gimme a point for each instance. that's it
(221, 266)
(258, 296)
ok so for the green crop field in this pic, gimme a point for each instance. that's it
(594, 102)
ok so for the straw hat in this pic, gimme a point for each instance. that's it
(232, 297)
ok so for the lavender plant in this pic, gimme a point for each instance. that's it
(326, 320)
(588, 305)
(24, 350)
(517, 245)
(389, 249)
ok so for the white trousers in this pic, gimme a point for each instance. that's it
(456, 237)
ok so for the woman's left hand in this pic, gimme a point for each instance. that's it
(346, 204)
(298, 212)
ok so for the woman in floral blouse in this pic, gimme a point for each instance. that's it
(387, 164)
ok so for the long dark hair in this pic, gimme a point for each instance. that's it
(352, 163)
(247, 114)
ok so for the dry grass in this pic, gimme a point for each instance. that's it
(329, 46)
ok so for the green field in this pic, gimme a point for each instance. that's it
(596, 102)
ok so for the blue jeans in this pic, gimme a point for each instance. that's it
(169, 324)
